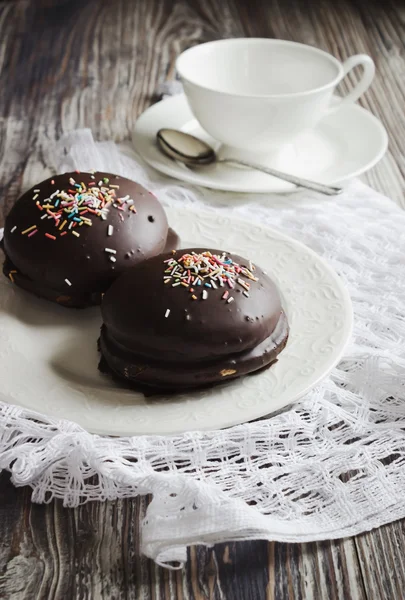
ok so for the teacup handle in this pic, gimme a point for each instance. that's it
(364, 83)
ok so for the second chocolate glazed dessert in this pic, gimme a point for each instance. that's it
(191, 318)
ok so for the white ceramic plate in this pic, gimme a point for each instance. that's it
(344, 145)
(48, 356)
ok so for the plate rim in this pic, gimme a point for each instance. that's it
(166, 169)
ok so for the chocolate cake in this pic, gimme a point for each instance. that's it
(191, 318)
(69, 237)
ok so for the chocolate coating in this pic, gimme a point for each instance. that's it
(42, 265)
(200, 341)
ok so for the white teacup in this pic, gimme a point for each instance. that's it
(256, 95)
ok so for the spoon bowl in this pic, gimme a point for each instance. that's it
(185, 147)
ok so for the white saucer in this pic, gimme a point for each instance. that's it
(48, 354)
(344, 145)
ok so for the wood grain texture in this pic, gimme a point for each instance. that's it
(66, 64)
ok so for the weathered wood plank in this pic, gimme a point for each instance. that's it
(93, 551)
(98, 64)
(382, 561)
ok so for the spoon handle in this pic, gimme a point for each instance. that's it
(299, 181)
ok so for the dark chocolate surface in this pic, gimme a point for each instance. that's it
(200, 341)
(172, 241)
(166, 377)
(43, 264)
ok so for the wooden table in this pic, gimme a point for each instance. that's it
(98, 63)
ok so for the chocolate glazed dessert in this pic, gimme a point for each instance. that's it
(69, 237)
(191, 318)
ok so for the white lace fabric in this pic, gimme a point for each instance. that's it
(329, 466)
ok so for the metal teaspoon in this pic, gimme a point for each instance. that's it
(192, 151)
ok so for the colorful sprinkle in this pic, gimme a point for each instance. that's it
(112, 258)
(28, 230)
(76, 234)
(167, 313)
(68, 282)
(243, 284)
(110, 230)
(69, 205)
(208, 270)
(110, 250)
(32, 233)
(51, 237)
(13, 229)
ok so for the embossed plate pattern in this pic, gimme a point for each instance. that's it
(48, 360)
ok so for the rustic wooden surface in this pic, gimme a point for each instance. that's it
(98, 63)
